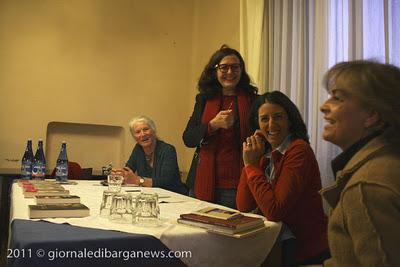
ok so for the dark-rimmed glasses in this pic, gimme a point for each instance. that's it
(224, 68)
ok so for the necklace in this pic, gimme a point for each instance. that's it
(149, 157)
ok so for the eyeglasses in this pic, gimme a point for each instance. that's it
(224, 68)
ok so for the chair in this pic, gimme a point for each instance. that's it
(87, 173)
(74, 171)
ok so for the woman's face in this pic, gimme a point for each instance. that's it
(346, 120)
(143, 134)
(229, 72)
(274, 123)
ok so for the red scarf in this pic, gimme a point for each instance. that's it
(204, 185)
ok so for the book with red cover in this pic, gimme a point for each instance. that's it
(232, 226)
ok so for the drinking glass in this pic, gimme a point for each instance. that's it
(115, 182)
(121, 208)
(146, 211)
(106, 203)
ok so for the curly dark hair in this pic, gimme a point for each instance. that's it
(208, 83)
(297, 128)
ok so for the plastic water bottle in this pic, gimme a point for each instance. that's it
(39, 163)
(62, 164)
(26, 162)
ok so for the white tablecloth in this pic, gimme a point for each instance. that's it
(207, 249)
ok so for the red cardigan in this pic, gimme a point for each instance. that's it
(292, 197)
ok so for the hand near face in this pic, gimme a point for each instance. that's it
(253, 148)
(224, 119)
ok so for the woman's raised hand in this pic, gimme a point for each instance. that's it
(254, 148)
(224, 119)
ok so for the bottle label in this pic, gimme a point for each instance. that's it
(38, 170)
(26, 169)
(62, 172)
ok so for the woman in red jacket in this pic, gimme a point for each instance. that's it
(281, 178)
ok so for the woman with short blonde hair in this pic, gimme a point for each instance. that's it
(362, 118)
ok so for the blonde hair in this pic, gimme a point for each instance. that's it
(375, 86)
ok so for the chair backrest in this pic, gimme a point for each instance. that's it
(74, 171)
(87, 173)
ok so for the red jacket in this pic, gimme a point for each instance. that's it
(292, 197)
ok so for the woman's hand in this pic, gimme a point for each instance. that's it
(129, 176)
(253, 148)
(117, 172)
(224, 119)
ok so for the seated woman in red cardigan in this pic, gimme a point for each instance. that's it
(281, 178)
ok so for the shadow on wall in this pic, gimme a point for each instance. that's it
(91, 145)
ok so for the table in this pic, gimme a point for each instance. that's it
(7, 175)
(192, 246)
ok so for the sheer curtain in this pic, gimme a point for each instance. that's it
(252, 39)
(368, 29)
(301, 39)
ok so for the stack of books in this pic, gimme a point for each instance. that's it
(223, 221)
(67, 210)
(52, 200)
(32, 188)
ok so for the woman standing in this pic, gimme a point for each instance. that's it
(218, 126)
(362, 118)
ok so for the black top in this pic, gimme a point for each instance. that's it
(341, 160)
(196, 132)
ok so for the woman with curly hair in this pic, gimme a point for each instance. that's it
(218, 126)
